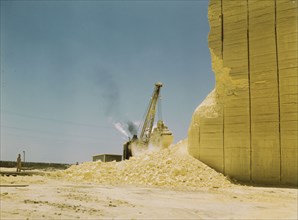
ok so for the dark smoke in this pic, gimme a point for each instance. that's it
(109, 92)
(132, 128)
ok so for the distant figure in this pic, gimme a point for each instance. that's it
(19, 163)
(77, 163)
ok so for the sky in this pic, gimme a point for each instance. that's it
(71, 70)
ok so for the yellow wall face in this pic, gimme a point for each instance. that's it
(247, 127)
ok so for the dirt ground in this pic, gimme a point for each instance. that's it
(43, 197)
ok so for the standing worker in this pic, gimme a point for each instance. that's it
(19, 163)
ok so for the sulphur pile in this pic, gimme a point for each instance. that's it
(171, 168)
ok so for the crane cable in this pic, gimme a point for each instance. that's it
(141, 124)
(159, 109)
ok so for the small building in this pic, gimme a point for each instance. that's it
(107, 157)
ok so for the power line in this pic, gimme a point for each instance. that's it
(59, 139)
(49, 132)
(55, 120)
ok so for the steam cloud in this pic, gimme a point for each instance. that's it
(129, 126)
(120, 128)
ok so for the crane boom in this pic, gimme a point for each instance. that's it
(161, 135)
(149, 120)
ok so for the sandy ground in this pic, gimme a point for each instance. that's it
(42, 197)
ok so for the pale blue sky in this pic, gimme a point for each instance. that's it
(69, 69)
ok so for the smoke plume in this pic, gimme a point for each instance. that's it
(109, 92)
(132, 127)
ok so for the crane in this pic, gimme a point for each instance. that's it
(149, 120)
(162, 136)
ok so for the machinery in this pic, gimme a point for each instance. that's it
(161, 135)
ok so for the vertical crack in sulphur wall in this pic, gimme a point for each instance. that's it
(222, 28)
(249, 93)
(287, 66)
(247, 126)
(278, 87)
(223, 108)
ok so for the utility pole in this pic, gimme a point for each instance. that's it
(24, 155)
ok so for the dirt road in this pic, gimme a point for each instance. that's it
(38, 197)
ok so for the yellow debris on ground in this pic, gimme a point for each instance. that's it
(171, 167)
